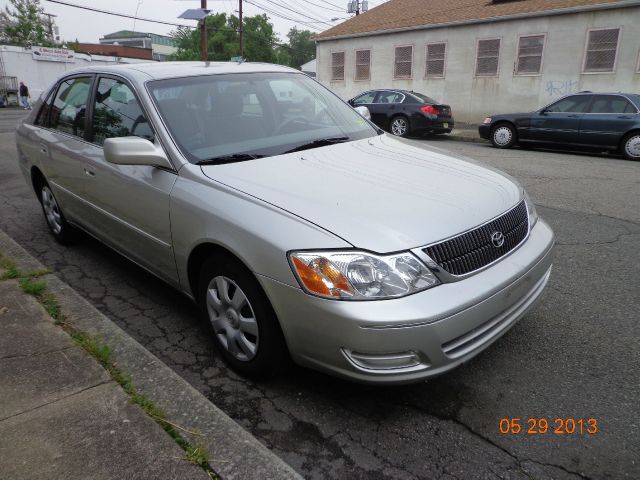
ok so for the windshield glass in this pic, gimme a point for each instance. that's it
(235, 117)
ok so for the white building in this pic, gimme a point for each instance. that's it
(309, 68)
(162, 45)
(486, 56)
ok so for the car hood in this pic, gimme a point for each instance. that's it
(379, 194)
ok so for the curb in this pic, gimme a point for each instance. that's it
(233, 452)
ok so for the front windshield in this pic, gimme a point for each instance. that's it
(231, 117)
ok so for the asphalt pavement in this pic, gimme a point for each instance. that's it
(575, 357)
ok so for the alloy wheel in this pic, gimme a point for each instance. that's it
(502, 136)
(399, 127)
(232, 318)
(51, 210)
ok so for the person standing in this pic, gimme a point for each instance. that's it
(24, 96)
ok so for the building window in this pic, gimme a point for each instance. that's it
(529, 60)
(403, 62)
(434, 65)
(487, 57)
(363, 64)
(601, 49)
(337, 65)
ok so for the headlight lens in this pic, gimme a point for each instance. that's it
(353, 275)
(531, 210)
(487, 120)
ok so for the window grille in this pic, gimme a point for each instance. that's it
(435, 59)
(487, 57)
(530, 55)
(363, 64)
(403, 62)
(337, 66)
(600, 55)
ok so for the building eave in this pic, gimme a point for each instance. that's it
(502, 18)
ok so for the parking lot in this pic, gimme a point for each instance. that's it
(575, 357)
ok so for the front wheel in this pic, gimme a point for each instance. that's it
(399, 126)
(242, 322)
(631, 146)
(58, 225)
(503, 135)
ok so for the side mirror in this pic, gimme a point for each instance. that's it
(364, 111)
(134, 151)
(543, 111)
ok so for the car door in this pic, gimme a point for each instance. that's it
(387, 104)
(129, 203)
(62, 143)
(560, 121)
(608, 119)
(365, 100)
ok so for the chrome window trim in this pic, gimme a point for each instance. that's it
(446, 277)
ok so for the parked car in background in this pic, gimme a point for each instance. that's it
(302, 233)
(402, 112)
(609, 121)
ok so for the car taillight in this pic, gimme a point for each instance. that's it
(429, 109)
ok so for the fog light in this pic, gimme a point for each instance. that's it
(384, 361)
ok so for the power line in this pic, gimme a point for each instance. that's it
(82, 7)
(281, 15)
(325, 8)
(296, 11)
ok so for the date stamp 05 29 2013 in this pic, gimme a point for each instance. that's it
(541, 426)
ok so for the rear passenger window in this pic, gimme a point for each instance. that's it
(390, 97)
(68, 111)
(611, 104)
(117, 113)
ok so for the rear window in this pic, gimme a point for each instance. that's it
(422, 98)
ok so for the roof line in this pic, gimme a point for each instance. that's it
(516, 16)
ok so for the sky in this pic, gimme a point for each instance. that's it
(87, 26)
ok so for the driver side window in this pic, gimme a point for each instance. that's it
(117, 113)
(572, 104)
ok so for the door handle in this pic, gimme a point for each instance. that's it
(89, 173)
(626, 117)
(573, 116)
(43, 148)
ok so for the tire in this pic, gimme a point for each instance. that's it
(61, 230)
(630, 146)
(243, 325)
(503, 135)
(400, 126)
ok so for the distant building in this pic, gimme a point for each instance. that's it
(485, 56)
(309, 68)
(161, 45)
(114, 50)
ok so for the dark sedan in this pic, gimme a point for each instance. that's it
(610, 121)
(401, 112)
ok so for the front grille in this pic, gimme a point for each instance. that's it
(474, 249)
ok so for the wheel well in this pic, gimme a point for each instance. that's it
(37, 180)
(197, 258)
(625, 136)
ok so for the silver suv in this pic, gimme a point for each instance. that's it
(302, 231)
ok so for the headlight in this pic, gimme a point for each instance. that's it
(353, 275)
(531, 210)
(487, 120)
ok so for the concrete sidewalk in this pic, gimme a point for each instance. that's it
(64, 416)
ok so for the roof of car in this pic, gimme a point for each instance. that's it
(161, 70)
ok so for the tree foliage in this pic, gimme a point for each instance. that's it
(223, 39)
(23, 23)
(260, 42)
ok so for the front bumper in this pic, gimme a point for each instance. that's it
(484, 130)
(440, 328)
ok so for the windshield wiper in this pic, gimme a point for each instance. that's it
(236, 157)
(321, 142)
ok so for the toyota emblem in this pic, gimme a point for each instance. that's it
(497, 239)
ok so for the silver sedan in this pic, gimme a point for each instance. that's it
(302, 231)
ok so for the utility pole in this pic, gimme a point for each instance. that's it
(241, 30)
(203, 34)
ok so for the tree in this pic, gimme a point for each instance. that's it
(24, 24)
(301, 47)
(223, 39)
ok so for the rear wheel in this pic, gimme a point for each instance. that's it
(631, 146)
(503, 135)
(399, 126)
(57, 223)
(242, 322)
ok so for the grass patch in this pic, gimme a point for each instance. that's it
(10, 269)
(31, 287)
